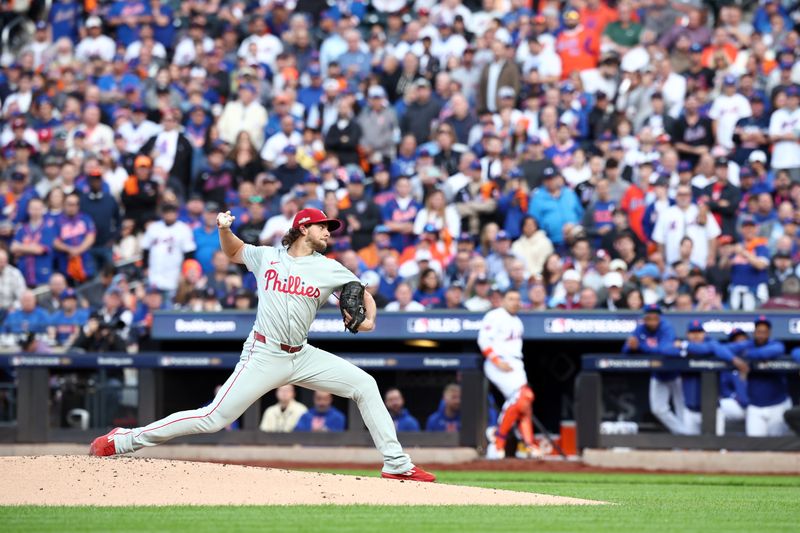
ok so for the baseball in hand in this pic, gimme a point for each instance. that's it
(224, 220)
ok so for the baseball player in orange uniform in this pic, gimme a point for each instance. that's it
(294, 281)
(500, 341)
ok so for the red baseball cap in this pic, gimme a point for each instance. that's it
(314, 216)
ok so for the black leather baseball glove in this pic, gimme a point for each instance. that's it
(351, 300)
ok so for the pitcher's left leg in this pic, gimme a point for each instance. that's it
(320, 370)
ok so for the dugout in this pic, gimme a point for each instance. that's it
(193, 346)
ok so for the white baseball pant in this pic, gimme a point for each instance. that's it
(660, 394)
(744, 298)
(732, 410)
(693, 420)
(508, 382)
(263, 367)
(767, 421)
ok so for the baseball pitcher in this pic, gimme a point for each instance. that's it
(294, 281)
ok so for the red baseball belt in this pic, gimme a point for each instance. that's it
(285, 347)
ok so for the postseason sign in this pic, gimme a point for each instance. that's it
(390, 361)
(551, 325)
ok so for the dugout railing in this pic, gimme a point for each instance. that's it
(589, 404)
(30, 395)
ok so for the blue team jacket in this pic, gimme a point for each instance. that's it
(654, 343)
(438, 421)
(731, 385)
(763, 390)
(334, 420)
(405, 422)
(691, 381)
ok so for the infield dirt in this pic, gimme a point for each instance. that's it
(123, 481)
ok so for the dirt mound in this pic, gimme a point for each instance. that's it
(112, 481)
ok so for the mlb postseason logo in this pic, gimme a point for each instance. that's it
(441, 325)
(794, 326)
(567, 325)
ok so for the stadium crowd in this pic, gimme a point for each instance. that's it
(591, 155)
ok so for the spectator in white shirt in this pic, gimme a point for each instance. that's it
(12, 284)
(447, 10)
(449, 44)
(404, 300)
(726, 111)
(334, 45)
(534, 56)
(784, 131)
(138, 129)
(277, 226)
(145, 40)
(186, 51)
(685, 219)
(20, 100)
(272, 152)
(673, 87)
(99, 136)
(261, 46)
(245, 114)
(167, 243)
(283, 416)
(95, 43)
(40, 44)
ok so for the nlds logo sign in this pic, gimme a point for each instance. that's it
(794, 326)
(434, 325)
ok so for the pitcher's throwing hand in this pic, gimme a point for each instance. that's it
(224, 220)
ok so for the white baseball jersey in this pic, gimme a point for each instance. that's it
(502, 332)
(102, 45)
(673, 224)
(785, 154)
(167, 244)
(136, 136)
(291, 290)
(727, 110)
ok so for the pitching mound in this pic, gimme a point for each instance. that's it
(113, 481)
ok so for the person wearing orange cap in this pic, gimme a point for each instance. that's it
(140, 193)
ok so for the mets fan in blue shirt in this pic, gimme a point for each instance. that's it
(651, 337)
(322, 417)
(767, 392)
(697, 345)
(395, 404)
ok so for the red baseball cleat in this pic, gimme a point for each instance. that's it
(104, 446)
(415, 474)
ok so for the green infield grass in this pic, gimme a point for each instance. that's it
(638, 503)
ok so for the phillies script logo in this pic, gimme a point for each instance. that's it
(291, 285)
